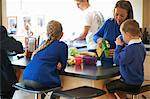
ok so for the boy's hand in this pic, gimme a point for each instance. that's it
(59, 66)
(110, 53)
(118, 41)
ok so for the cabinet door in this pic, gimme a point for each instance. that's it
(147, 68)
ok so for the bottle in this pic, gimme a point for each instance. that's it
(30, 45)
(105, 47)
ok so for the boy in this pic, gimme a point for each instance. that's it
(130, 58)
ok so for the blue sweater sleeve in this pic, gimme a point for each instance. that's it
(63, 55)
(116, 54)
(100, 32)
(121, 55)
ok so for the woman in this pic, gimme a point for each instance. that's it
(42, 72)
(110, 29)
(7, 74)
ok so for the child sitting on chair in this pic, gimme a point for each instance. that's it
(7, 75)
(50, 57)
(130, 58)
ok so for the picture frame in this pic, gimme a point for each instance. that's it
(40, 24)
(12, 24)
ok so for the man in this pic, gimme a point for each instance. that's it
(92, 20)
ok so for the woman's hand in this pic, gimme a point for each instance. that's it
(118, 41)
(99, 42)
(59, 66)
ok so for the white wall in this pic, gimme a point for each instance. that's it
(138, 10)
(4, 15)
(64, 11)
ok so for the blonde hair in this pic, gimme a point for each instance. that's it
(131, 26)
(54, 32)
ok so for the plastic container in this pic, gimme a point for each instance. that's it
(89, 60)
(30, 46)
(78, 60)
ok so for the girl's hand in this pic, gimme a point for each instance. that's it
(118, 41)
(59, 66)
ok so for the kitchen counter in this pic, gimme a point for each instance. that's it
(147, 46)
(148, 53)
(88, 72)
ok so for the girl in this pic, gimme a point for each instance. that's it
(51, 56)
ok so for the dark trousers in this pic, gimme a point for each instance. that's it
(120, 85)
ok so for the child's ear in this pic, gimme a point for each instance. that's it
(62, 33)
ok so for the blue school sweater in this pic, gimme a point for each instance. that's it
(42, 68)
(131, 60)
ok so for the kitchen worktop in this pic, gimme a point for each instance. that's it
(147, 46)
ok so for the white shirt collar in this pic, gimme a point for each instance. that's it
(134, 41)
